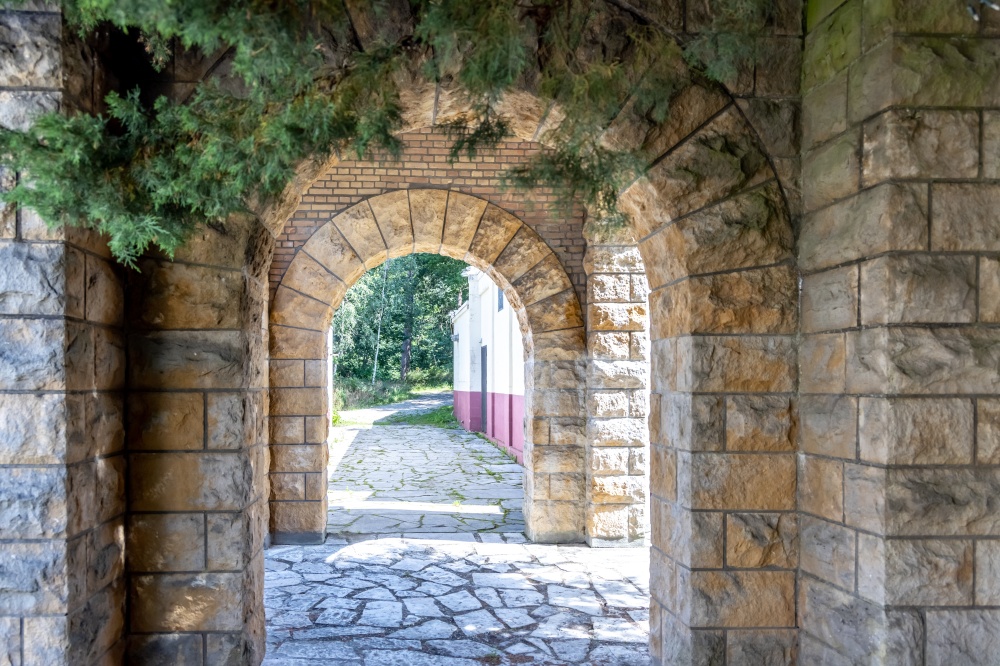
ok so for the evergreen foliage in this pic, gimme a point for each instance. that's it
(300, 84)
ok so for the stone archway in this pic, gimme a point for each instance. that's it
(362, 237)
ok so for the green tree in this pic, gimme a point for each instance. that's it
(307, 78)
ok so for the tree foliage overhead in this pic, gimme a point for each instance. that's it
(420, 288)
(303, 79)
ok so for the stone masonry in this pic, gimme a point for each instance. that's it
(796, 339)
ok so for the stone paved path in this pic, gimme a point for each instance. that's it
(425, 565)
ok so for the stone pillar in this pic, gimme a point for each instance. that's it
(197, 450)
(900, 358)
(617, 394)
(62, 488)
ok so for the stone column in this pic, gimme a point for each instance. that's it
(617, 393)
(197, 450)
(900, 357)
(62, 487)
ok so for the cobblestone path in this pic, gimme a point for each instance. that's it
(425, 565)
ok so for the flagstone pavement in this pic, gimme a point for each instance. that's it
(425, 564)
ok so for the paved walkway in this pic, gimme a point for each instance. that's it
(425, 565)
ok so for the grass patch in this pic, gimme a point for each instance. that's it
(442, 417)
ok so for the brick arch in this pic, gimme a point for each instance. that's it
(396, 224)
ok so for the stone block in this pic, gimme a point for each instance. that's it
(824, 111)
(663, 475)
(300, 401)
(942, 501)
(766, 647)
(178, 296)
(49, 642)
(747, 364)
(311, 278)
(617, 374)
(928, 572)
(828, 425)
(639, 346)
(777, 121)
(963, 637)
(187, 359)
(637, 465)
(693, 539)
(747, 230)
(965, 217)
(617, 317)
(166, 542)
(750, 301)
(989, 290)
(821, 487)
(33, 502)
(916, 431)
(991, 144)
(607, 522)
(304, 458)
(617, 432)
(604, 404)
(187, 602)
(104, 432)
(885, 218)
(563, 487)
(427, 210)
(562, 345)
(865, 497)
(39, 279)
(960, 360)
(827, 551)
(229, 542)
(609, 345)
(460, 223)
(762, 540)
(853, 627)
(34, 358)
(615, 490)
(392, 213)
(33, 42)
(759, 482)
(555, 312)
(988, 431)
(614, 288)
(524, 251)
(557, 374)
(918, 289)
(317, 429)
(496, 229)
(165, 649)
(234, 420)
(830, 300)
(105, 293)
(287, 429)
(361, 231)
(612, 259)
(289, 342)
(287, 486)
(903, 143)
(166, 421)
(760, 423)
(209, 481)
(743, 598)
(551, 402)
(286, 373)
(35, 427)
(33, 578)
(831, 172)
(292, 308)
(832, 45)
(693, 422)
(987, 573)
(884, 17)
(18, 110)
(298, 518)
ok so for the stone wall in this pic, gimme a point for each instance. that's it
(62, 363)
(900, 353)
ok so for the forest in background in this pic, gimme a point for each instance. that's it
(392, 332)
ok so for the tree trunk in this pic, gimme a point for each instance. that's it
(404, 357)
(381, 313)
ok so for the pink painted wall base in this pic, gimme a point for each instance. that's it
(504, 418)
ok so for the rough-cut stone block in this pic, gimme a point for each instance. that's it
(921, 144)
(555, 313)
(612, 259)
(617, 374)
(749, 364)
(286, 373)
(824, 111)
(830, 172)
(187, 602)
(828, 425)
(287, 429)
(104, 433)
(392, 213)
(427, 209)
(173, 295)
(853, 627)
(821, 484)
(289, 342)
(693, 539)
(187, 360)
(615, 288)
(33, 502)
(927, 572)
(304, 458)
(759, 482)
(33, 354)
(360, 230)
(38, 279)
(750, 229)
(663, 475)
(969, 637)
(557, 460)
(617, 432)
(916, 431)
(298, 401)
(760, 423)
(607, 522)
(609, 345)
(963, 360)
(603, 461)
(693, 422)
(830, 300)
(832, 45)
(308, 276)
(166, 542)
(234, 420)
(165, 649)
(765, 647)
(32, 46)
(211, 481)
(989, 290)
(885, 218)
(541, 280)
(827, 552)
(562, 345)
(864, 497)
(496, 229)
(617, 317)
(988, 572)
(942, 501)
(460, 224)
(522, 253)
(166, 421)
(965, 217)
(292, 308)
(743, 598)
(988, 431)
(753, 301)
(34, 580)
(18, 111)
(918, 289)
(230, 541)
(35, 426)
(757, 540)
